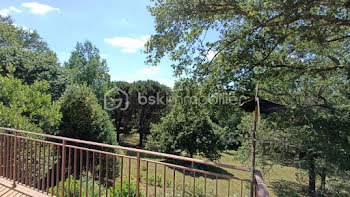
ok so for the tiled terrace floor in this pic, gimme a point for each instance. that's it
(6, 190)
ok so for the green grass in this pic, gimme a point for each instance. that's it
(281, 180)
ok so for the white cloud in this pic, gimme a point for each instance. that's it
(14, 9)
(37, 8)
(150, 70)
(129, 45)
(4, 12)
(209, 54)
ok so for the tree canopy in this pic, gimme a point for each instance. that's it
(30, 56)
(148, 102)
(27, 106)
(86, 66)
(297, 51)
(83, 118)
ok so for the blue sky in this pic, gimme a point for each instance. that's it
(118, 28)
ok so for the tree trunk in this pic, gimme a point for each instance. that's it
(118, 135)
(312, 177)
(141, 139)
(323, 179)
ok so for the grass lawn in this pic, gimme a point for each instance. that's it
(281, 180)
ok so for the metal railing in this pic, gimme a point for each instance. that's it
(60, 166)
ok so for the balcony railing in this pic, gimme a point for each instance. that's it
(60, 166)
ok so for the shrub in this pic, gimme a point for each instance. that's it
(77, 186)
(125, 187)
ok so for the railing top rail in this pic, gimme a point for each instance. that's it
(141, 151)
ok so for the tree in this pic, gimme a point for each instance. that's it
(148, 102)
(122, 113)
(189, 126)
(298, 52)
(86, 66)
(30, 56)
(27, 107)
(83, 118)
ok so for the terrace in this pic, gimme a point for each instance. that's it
(41, 165)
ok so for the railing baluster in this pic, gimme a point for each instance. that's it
(106, 175)
(138, 175)
(75, 172)
(114, 164)
(8, 158)
(205, 185)
(52, 169)
(44, 165)
(93, 174)
(23, 161)
(121, 176)
(1, 149)
(174, 179)
(18, 160)
(87, 174)
(155, 179)
(147, 179)
(183, 182)
(48, 169)
(15, 161)
(99, 176)
(69, 169)
(129, 177)
(35, 164)
(216, 186)
(194, 183)
(63, 166)
(58, 170)
(27, 162)
(32, 164)
(81, 173)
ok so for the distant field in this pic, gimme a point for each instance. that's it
(281, 180)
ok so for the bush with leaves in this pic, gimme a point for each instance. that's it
(27, 107)
(70, 184)
(83, 118)
(125, 190)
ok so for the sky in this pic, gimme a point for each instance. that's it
(117, 28)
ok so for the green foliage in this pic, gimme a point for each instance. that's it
(87, 67)
(27, 106)
(30, 57)
(83, 118)
(11, 119)
(188, 120)
(148, 103)
(77, 184)
(298, 53)
(125, 189)
(118, 101)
